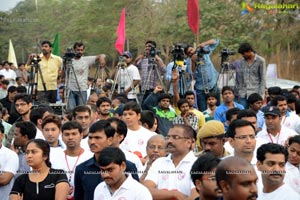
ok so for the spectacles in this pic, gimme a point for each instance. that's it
(153, 147)
(213, 178)
(175, 137)
(244, 137)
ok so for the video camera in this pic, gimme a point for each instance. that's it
(178, 55)
(35, 59)
(70, 54)
(201, 51)
(122, 61)
(225, 53)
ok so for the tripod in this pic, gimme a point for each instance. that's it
(227, 75)
(183, 86)
(69, 68)
(103, 73)
(33, 84)
(121, 76)
(152, 68)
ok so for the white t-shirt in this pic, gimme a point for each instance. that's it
(84, 144)
(9, 74)
(280, 138)
(284, 192)
(129, 190)
(166, 176)
(81, 68)
(292, 177)
(39, 134)
(68, 164)
(126, 81)
(136, 141)
(9, 162)
(134, 159)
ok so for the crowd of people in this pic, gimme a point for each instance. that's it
(130, 135)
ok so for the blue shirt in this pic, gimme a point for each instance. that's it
(220, 112)
(206, 76)
(87, 177)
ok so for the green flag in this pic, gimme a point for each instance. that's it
(55, 46)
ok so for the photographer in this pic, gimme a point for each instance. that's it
(205, 74)
(77, 84)
(50, 66)
(143, 62)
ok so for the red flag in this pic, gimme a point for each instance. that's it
(193, 15)
(121, 33)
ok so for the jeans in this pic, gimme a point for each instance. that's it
(75, 99)
(201, 98)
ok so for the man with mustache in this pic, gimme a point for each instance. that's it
(104, 106)
(78, 76)
(204, 177)
(237, 179)
(271, 159)
(169, 177)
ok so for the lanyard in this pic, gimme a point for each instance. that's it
(269, 134)
(70, 172)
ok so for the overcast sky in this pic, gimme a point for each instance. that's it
(6, 5)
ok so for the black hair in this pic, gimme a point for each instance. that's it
(186, 48)
(5, 82)
(103, 99)
(46, 42)
(111, 155)
(274, 90)
(38, 113)
(78, 44)
(270, 148)
(188, 93)
(237, 124)
(24, 97)
(44, 146)
(162, 96)
(245, 47)
(103, 125)
(1, 128)
(225, 88)
(132, 106)
(51, 119)
(297, 105)
(295, 139)
(11, 89)
(290, 98)
(232, 111)
(151, 42)
(81, 109)
(21, 89)
(210, 94)
(203, 165)
(71, 125)
(275, 100)
(180, 102)
(26, 128)
(296, 87)
(121, 127)
(5, 62)
(147, 117)
(246, 113)
(254, 97)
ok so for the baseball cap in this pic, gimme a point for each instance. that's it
(272, 110)
(128, 54)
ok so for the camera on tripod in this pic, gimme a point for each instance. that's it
(35, 59)
(122, 62)
(70, 54)
(225, 53)
(178, 55)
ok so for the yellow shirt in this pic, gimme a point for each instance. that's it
(50, 69)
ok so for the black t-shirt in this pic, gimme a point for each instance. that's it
(43, 190)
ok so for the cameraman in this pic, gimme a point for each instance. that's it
(143, 63)
(50, 67)
(78, 81)
(205, 74)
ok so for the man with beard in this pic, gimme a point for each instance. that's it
(228, 103)
(237, 179)
(204, 177)
(253, 74)
(83, 115)
(169, 177)
(78, 78)
(104, 106)
(271, 159)
(50, 66)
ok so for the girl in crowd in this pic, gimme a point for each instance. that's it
(42, 182)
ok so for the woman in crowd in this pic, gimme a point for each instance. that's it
(42, 182)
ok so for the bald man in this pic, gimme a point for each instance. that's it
(236, 178)
(156, 148)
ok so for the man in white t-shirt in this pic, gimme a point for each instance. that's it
(128, 76)
(9, 164)
(74, 153)
(271, 159)
(169, 177)
(8, 73)
(275, 132)
(137, 136)
(78, 78)
(117, 184)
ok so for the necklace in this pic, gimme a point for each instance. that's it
(69, 171)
